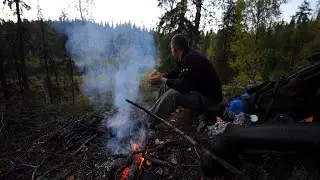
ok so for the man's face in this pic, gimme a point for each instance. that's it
(174, 52)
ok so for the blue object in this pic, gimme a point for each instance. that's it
(237, 105)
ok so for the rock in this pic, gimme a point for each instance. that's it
(201, 126)
(159, 171)
(202, 117)
(157, 142)
(151, 133)
(173, 159)
(165, 171)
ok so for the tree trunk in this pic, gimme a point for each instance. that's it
(21, 48)
(197, 23)
(54, 69)
(182, 16)
(80, 9)
(19, 76)
(45, 60)
(3, 81)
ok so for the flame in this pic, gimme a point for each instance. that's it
(139, 160)
(139, 157)
(152, 154)
(124, 174)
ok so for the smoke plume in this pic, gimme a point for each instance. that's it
(112, 59)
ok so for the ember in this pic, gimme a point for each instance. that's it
(124, 174)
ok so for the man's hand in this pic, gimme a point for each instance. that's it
(153, 73)
(158, 78)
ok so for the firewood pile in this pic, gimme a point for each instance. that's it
(52, 144)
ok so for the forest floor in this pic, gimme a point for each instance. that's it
(69, 142)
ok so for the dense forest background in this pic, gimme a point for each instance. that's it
(252, 44)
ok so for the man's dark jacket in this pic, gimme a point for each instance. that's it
(196, 73)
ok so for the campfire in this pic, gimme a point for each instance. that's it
(138, 160)
(151, 159)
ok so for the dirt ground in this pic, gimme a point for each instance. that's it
(68, 142)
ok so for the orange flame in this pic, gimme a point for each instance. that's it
(124, 174)
(139, 157)
(139, 160)
(152, 154)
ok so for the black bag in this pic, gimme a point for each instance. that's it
(296, 94)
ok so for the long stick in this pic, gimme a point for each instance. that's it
(225, 164)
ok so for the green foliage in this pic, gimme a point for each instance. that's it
(253, 44)
(167, 62)
(52, 75)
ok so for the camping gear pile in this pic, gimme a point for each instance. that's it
(295, 97)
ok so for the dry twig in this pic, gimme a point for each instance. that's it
(129, 161)
(195, 150)
(156, 161)
(2, 124)
(88, 140)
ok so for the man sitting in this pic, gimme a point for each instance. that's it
(193, 85)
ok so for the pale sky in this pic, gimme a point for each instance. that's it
(140, 12)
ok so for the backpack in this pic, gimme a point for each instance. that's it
(296, 95)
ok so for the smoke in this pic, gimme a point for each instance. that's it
(112, 60)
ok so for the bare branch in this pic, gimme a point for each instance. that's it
(2, 124)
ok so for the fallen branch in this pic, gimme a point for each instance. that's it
(225, 164)
(47, 172)
(129, 161)
(164, 163)
(151, 149)
(156, 161)
(2, 124)
(93, 128)
(88, 140)
(35, 169)
(34, 173)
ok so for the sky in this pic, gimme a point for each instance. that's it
(140, 12)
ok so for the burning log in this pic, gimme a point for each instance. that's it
(225, 164)
(125, 168)
(156, 161)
